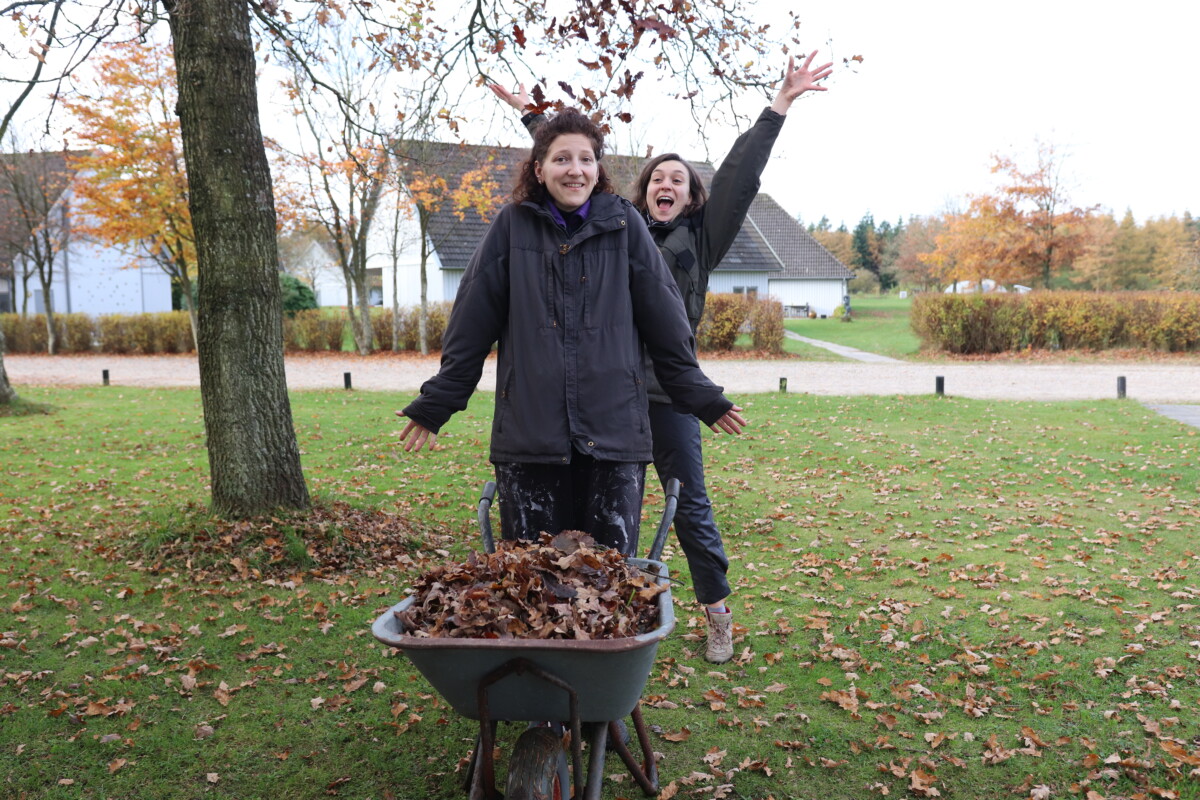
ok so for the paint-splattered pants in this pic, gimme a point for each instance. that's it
(601, 498)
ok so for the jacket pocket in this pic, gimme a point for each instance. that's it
(641, 403)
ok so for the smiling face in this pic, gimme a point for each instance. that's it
(569, 170)
(668, 192)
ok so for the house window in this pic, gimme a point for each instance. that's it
(750, 291)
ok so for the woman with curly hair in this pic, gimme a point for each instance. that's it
(570, 285)
(694, 229)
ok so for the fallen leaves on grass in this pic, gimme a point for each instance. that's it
(327, 540)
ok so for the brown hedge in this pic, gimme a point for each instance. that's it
(995, 323)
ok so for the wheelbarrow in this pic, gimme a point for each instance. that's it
(588, 685)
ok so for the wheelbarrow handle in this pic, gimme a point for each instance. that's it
(485, 520)
(668, 515)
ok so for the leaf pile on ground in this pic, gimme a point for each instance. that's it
(329, 539)
(562, 587)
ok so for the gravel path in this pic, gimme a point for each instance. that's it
(1171, 383)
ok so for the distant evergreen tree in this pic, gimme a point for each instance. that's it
(297, 296)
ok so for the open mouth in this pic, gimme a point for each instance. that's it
(664, 203)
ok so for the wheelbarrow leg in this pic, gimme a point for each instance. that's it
(597, 739)
(480, 779)
(645, 774)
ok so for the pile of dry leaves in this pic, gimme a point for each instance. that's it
(563, 587)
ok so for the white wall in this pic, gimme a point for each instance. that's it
(822, 295)
(93, 279)
(722, 282)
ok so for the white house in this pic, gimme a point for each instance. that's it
(87, 277)
(772, 255)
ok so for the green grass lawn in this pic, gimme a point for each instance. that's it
(935, 597)
(880, 325)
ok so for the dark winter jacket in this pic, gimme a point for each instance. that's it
(693, 246)
(571, 315)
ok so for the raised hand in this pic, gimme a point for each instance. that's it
(798, 81)
(518, 100)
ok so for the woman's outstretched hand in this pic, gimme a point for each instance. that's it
(419, 433)
(798, 81)
(518, 100)
(731, 423)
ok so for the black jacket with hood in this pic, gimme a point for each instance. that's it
(571, 313)
(693, 246)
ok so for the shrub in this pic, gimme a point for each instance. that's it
(78, 333)
(992, 323)
(381, 327)
(176, 332)
(724, 315)
(435, 326)
(314, 330)
(16, 333)
(115, 334)
(766, 325)
(297, 296)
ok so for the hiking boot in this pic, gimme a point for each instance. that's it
(720, 636)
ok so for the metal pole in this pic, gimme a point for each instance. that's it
(346, 379)
(1121, 387)
(104, 376)
(939, 385)
(783, 385)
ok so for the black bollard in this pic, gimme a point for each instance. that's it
(1120, 387)
(346, 379)
(104, 376)
(783, 385)
(939, 385)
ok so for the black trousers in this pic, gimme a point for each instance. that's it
(601, 498)
(678, 453)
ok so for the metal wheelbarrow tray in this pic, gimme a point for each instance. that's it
(609, 674)
(590, 685)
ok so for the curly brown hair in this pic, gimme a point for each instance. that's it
(699, 196)
(569, 120)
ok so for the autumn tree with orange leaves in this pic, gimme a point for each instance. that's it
(133, 188)
(708, 52)
(1027, 232)
(473, 188)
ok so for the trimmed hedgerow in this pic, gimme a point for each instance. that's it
(995, 323)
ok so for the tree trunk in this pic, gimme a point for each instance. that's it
(423, 314)
(252, 451)
(7, 394)
(188, 301)
(51, 339)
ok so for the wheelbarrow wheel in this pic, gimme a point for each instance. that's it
(537, 769)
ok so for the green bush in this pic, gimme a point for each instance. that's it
(297, 295)
(724, 315)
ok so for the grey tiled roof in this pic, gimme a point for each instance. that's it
(770, 240)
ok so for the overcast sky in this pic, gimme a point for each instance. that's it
(945, 83)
